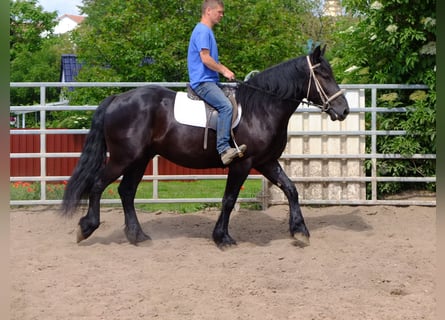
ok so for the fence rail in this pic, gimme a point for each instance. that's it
(262, 198)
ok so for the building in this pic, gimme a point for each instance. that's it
(332, 8)
(67, 22)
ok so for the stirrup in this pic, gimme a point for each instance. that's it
(244, 147)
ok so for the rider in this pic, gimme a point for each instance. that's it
(204, 68)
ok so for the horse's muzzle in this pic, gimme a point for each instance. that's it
(338, 116)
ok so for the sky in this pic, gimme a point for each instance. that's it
(61, 6)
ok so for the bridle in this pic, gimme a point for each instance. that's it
(324, 97)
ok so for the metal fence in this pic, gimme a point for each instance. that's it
(262, 198)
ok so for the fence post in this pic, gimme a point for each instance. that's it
(155, 175)
(42, 144)
(374, 144)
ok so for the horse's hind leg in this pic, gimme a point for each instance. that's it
(91, 220)
(127, 191)
(275, 173)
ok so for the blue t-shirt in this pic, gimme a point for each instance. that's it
(202, 38)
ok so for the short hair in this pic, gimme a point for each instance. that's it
(211, 4)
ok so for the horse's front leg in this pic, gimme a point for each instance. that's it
(275, 173)
(238, 173)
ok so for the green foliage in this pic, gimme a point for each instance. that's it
(148, 40)
(133, 40)
(70, 119)
(35, 57)
(257, 34)
(419, 123)
(24, 191)
(40, 66)
(28, 22)
(393, 41)
(31, 49)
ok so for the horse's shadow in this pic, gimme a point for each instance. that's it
(255, 227)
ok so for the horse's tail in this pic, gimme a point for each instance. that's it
(91, 161)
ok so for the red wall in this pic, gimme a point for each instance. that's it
(30, 143)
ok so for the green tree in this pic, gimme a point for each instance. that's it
(394, 41)
(257, 34)
(133, 40)
(28, 26)
(31, 55)
(147, 40)
(35, 55)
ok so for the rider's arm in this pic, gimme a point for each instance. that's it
(215, 66)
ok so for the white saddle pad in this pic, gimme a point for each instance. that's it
(193, 112)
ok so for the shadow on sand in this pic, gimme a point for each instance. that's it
(256, 227)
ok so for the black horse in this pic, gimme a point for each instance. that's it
(137, 125)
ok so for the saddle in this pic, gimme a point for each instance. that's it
(212, 113)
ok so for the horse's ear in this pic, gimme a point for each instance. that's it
(318, 53)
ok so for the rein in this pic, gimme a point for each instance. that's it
(270, 93)
(324, 97)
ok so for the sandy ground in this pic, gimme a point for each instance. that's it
(363, 263)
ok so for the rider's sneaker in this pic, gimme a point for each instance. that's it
(231, 153)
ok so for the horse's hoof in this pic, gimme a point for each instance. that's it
(301, 240)
(142, 237)
(79, 235)
(226, 242)
(135, 236)
(226, 246)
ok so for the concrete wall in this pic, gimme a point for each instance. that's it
(322, 168)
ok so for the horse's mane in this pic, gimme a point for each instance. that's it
(278, 83)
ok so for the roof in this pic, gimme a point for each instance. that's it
(77, 19)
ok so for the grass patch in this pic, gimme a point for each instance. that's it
(166, 190)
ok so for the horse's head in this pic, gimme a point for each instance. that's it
(322, 89)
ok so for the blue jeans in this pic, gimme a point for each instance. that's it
(213, 95)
